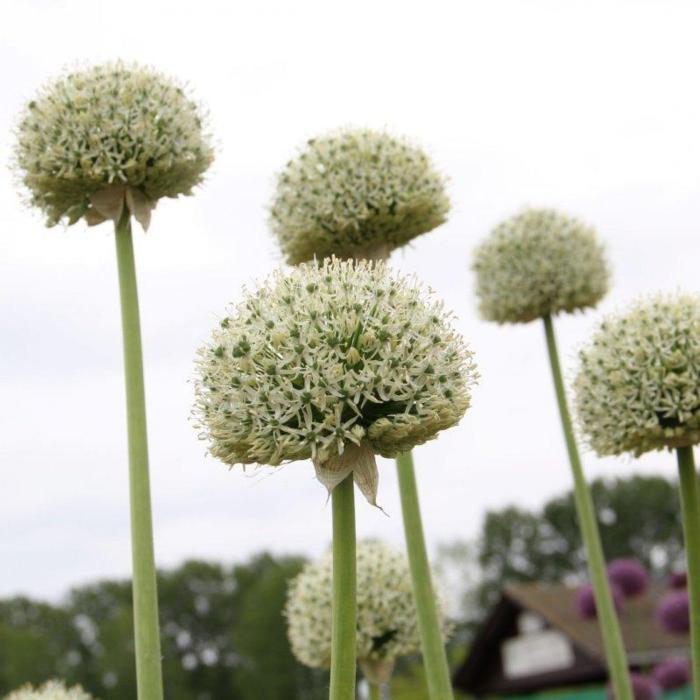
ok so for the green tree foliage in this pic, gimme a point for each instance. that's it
(223, 632)
(639, 517)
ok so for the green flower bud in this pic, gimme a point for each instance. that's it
(387, 625)
(638, 385)
(288, 376)
(110, 136)
(538, 263)
(52, 690)
(356, 194)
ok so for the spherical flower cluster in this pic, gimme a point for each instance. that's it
(354, 194)
(643, 688)
(387, 626)
(673, 612)
(52, 690)
(585, 600)
(672, 673)
(334, 360)
(110, 135)
(537, 263)
(629, 575)
(638, 386)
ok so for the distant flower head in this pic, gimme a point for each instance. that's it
(585, 600)
(537, 263)
(108, 136)
(356, 193)
(335, 361)
(629, 575)
(637, 387)
(387, 626)
(672, 673)
(673, 612)
(643, 688)
(52, 690)
(678, 580)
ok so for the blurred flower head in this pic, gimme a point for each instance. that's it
(585, 600)
(637, 387)
(678, 580)
(109, 136)
(629, 575)
(673, 612)
(333, 360)
(52, 690)
(643, 688)
(387, 626)
(356, 193)
(537, 263)
(672, 673)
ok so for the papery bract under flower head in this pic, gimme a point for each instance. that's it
(108, 135)
(387, 626)
(638, 385)
(328, 358)
(51, 690)
(538, 263)
(356, 193)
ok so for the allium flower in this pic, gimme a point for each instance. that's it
(678, 580)
(638, 386)
(643, 688)
(585, 600)
(356, 193)
(538, 263)
(52, 690)
(629, 575)
(387, 626)
(336, 361)
(673, 612)
(672, 673)
(114, 134)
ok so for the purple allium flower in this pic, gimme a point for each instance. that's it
(585, 600)
(643, 688)
(629, 575)
(672, 673)
(678, 580)
(673, 612)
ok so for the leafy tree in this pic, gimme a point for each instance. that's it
(638, 516)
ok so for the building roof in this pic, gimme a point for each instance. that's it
(645, 641)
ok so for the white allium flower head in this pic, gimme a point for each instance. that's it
(110, 136)
(333, 360)
(538, 263)
(52, 690)
(638, 384)
(356, 193)
(387, 625)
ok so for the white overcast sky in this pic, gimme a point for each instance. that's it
(589, 106)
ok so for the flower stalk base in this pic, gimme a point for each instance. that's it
(434, 657)
(607, 617)
(146, 631)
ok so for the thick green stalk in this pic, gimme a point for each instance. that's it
(375, 692)
(607, 616)
(146, 632)
(344, 620)
(690, 501)
(437, 671)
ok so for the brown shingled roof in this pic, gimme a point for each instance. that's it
(645, 639)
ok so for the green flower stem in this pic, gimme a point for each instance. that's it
(375, 692)
(434, 657)
(690, 500)
(607, 617)
(146, 632)
(344, 621)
